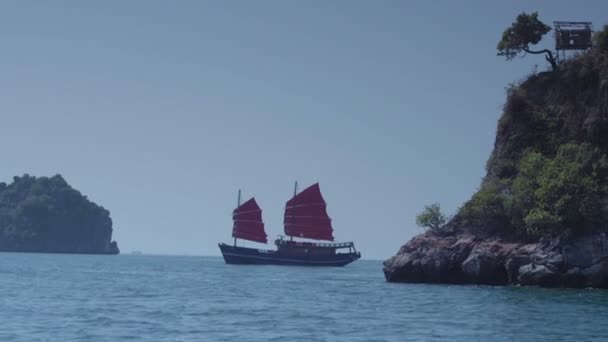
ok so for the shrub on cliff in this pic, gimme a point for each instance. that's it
(487, 211)
(563, 193)
(431, 217)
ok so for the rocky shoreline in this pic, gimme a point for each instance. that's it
(464, 258)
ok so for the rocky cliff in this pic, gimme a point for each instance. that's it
(469, 259)
(541, 214)
(47, 215)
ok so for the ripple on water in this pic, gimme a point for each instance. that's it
(155, 298)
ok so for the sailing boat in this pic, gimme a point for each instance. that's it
(305, 217)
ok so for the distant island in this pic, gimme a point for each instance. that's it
(540, 216)
(45, 214)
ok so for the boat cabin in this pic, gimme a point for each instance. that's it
(304, 248)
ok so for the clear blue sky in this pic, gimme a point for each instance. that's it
(161, 110)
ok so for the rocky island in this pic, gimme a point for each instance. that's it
(42, 214)
(540, 216)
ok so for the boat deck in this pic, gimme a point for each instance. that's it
(334, 245)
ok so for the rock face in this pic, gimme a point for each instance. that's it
(47, 215)
(466, 259)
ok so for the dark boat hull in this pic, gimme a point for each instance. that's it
(253, 256)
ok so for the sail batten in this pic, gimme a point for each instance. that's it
(306, 215)
(248, 223)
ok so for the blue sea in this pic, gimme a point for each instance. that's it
(50, 297)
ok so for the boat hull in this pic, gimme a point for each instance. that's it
(253, 256)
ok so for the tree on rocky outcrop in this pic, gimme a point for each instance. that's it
(431, 217)
(525, 31)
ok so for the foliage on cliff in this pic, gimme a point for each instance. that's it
(527, 30)
(548, 173)
(47, 215)
(431, 217)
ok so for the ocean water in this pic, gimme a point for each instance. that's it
(46, 297)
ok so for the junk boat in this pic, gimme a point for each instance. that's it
(305, 217)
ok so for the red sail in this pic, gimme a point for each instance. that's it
(306, 216)
(248, 224)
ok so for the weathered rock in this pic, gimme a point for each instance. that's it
(464, 258)
(532, 274)
(573, 278)
(428, 259)
(483, 268)
(486, 263)
(596, 275)
(586, 251)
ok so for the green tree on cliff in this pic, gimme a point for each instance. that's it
(431, 217)
(564, 192)
(525, 31)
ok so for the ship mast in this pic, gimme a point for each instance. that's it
(295, 192)
(238, 204)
